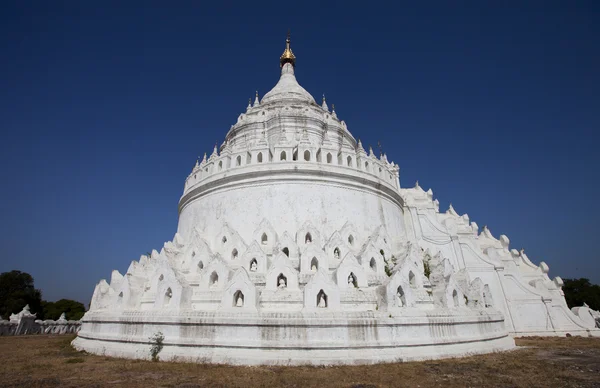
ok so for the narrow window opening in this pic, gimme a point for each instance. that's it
(238, 299)
(168, 295)
(286, 251)
(329, 158)
(253, 265)
(314, 264)
(264, 239)
(352, 280)
(322, 299)
(400, 298)
(307, 155)
(238, 160)
(259, 157)
(281, 281)
(224, 240)
(234, 254)
(336, 253)
(200, 266)
(295, 155)
(308, 238)
(351, 240)
(412, 280)
(349, 161)
(282, 156)
(373, 264)
(214, 280)
(455, 298)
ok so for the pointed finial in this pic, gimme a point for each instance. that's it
(324, 104)
(287, 56)
(249, 104)
(256, 101)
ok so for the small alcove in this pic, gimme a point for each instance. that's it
(373, 264)
(314, 264)
(281, 281)
(400, 297)
(412, 280)
(167, 297)
(308, 238)
(336, 253)
(214, 279)
(352, 280)
(253, 265)
(238, 299)
(322, 299)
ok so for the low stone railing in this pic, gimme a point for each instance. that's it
(25, 323)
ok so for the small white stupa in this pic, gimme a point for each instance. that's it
(296, 246)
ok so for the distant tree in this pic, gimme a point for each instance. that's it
(579, 291)
(17, 290)
(73, 310)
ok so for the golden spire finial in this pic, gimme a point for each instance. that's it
(287, 56)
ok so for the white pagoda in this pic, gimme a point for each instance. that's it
(295, 245)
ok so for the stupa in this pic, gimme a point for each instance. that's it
(295, 245)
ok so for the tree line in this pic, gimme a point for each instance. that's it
(17, 290)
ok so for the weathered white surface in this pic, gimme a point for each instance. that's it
(24, 323)
(295, 245)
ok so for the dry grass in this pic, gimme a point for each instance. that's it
(49, 361)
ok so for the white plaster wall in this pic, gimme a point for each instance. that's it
(288, 205)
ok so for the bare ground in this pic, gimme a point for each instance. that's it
(50, 361)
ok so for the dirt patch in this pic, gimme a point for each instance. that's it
(50, 361)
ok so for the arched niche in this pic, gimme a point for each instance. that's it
(238, 299)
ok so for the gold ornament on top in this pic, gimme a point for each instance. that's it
(287, 56)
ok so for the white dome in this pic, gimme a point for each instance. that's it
(287, 89)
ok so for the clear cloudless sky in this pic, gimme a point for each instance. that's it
(105, 106)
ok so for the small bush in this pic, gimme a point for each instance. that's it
(157, 345)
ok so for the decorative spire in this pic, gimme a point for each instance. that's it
(256, 101)
(287, 56)
(360, 147)
(333, 114)
(249, 104)
(324, 104)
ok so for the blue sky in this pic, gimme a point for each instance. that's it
(104, 108)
